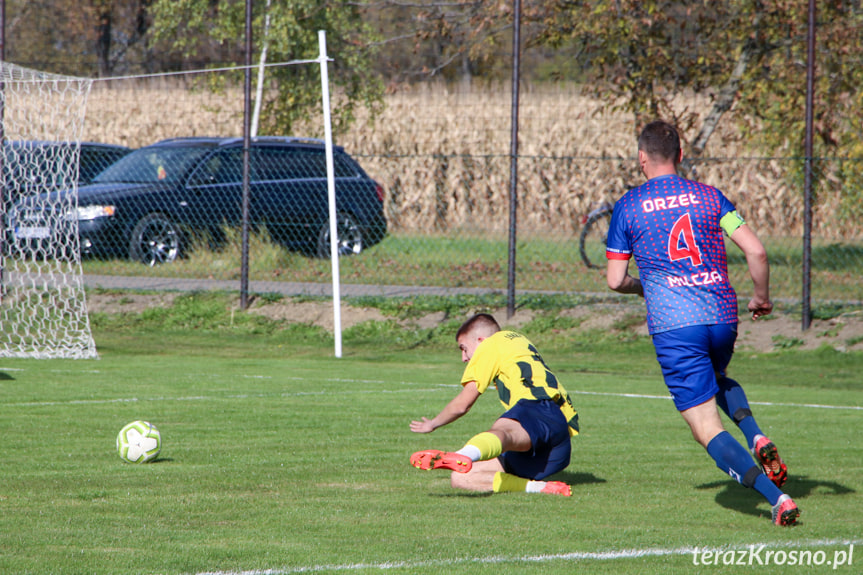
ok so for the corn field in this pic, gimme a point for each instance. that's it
(442, 157)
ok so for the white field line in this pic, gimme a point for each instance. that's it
(770, 403)
(583, 556)
(207, 397)
(439, 387)
(412, 390)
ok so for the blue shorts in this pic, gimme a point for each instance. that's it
(691, 358)
(549, 438)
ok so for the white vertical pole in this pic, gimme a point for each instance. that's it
(331, 192)
(259, 90)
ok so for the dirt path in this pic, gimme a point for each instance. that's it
(843, 333)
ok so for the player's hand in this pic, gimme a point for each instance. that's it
(425, 425)
(758, 307)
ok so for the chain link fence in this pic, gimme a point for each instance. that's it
(439, 158)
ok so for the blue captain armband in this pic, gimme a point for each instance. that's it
(730, 222)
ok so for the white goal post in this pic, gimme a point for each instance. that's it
(43, 310)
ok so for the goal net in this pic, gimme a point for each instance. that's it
(43, 311)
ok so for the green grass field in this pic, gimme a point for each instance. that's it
(456, 260)
(280, 459)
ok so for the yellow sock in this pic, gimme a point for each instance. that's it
(489, 445)
(507, 483)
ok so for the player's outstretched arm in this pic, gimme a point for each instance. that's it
(759, 269)
(459, 405)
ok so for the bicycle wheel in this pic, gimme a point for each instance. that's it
(594, 234)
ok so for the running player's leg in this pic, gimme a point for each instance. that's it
(732, 400)
(684, 357)
(729, 455)
(730, 397)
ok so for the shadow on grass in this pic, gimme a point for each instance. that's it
(734, 496)
(574, 479)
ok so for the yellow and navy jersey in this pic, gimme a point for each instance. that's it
(510, 362)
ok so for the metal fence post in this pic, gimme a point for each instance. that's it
(807, 186)
(513, 174)
(247, 105)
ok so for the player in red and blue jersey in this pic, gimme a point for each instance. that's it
(673, 227)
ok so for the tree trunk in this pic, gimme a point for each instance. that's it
(103, 40)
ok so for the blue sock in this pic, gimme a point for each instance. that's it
(735, 460)
(732, 400)
(767, 488)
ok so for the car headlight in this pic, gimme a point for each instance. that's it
(93, 212)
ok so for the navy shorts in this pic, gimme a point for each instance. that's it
(691, 358)
(549, 437)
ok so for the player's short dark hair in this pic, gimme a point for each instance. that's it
(660, 140)
(480, 320)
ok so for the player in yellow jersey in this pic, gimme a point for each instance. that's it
(530, 441)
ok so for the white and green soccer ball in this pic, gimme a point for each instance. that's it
(139, 442)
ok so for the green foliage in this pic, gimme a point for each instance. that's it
(643, 54)
(853, 340)
(785, 342)
(198, 311)
(629, 321)
(637, 50)
(550, 323)
(293, 92)
(414, 307)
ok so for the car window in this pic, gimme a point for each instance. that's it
(343, 167)
(269, 164)
(94, 160)
(167, 164)
(223, 167)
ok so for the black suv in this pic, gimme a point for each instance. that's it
(35, 166)
(154, 202)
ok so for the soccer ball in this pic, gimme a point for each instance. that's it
(139, 442)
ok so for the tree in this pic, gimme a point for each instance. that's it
(119, 25)
(96, 36)
(450, 39)
(218, 27)
(744, 53)
(34, 40)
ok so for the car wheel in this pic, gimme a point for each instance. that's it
(348, 234)
(156, 240)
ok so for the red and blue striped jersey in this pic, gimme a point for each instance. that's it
(672, 227)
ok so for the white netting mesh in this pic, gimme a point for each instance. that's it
(43, 311)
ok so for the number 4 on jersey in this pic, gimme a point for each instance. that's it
(681, 241)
